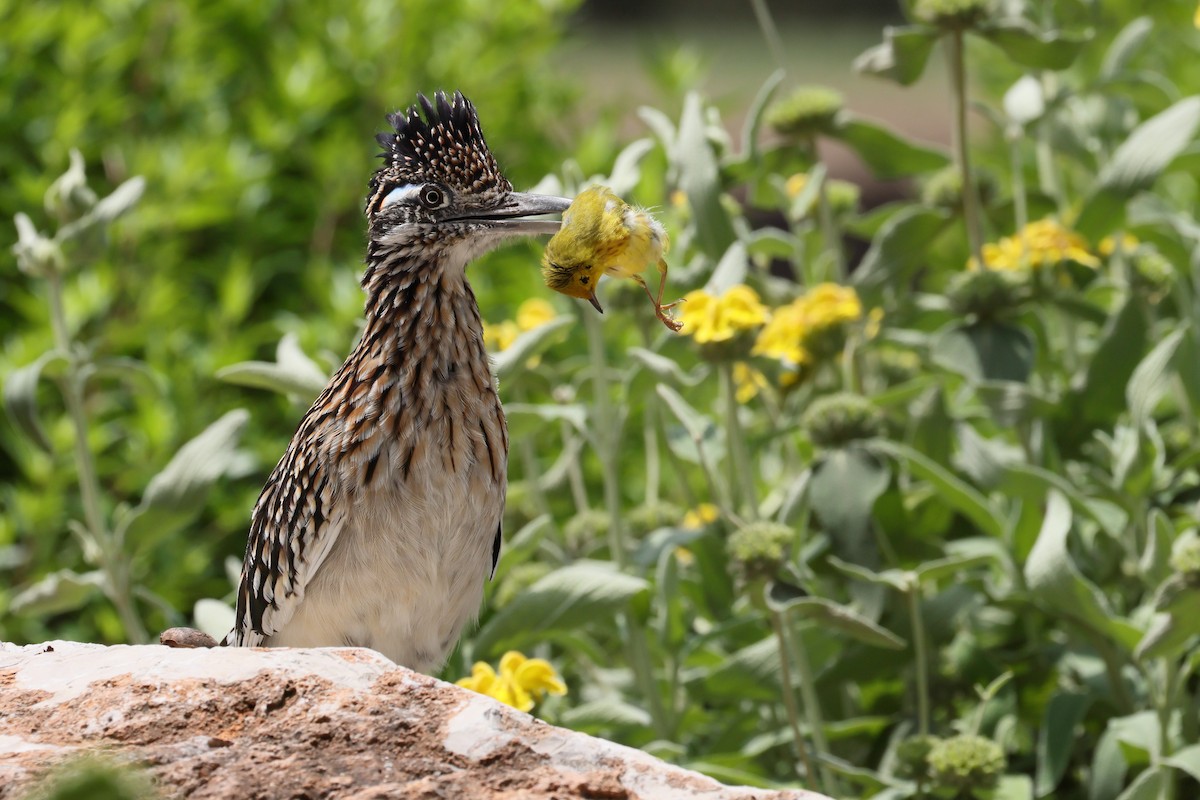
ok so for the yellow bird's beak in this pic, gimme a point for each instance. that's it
(595, 303)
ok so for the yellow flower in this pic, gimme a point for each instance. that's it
(783, 336)
(709, 318)
(684, 556)
(1196, 17)
(1108, 245)
(533, 313)
(795, 184)
(700, 516)
(500, 336)
(1039, 244)
(748, 381)
(522, 681)
(679, 199)
(827, 305)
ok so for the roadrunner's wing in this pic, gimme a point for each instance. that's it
(292, 530)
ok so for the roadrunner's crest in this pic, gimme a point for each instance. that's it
(445, 146)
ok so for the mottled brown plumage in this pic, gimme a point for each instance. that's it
(381, 522)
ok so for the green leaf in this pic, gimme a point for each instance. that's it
(57, 593)
(951, 565)
(885, 152)
(901, 243)
(1057, 738)
(1124, 46)
(730, 271)
(699, 178)
(897, 579)
(1108, 766)
(292, 372)
(828, 614)
(901, 56)
(749, 673)
(951, 489)
(754, 117)
(1028, 46)
(1013, 787)
(1178, 620)
(570, 597)
(845, 485)
(1136, 164)
(991, 351)
(1151, 380)
(1147, 786)
(20, 399)
(574, 413)
(603, 715)
(1186, 759)
(1023, 102)
(527, 345)
(184, 482)
(122, 199)
(1056, 583)
(1154, 564)
(627, 167)
(700, 431)
(1122, 343)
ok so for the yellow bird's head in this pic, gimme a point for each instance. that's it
(578, 254)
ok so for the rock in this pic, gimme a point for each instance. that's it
(341, 723)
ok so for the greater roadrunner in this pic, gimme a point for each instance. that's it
(381, 523)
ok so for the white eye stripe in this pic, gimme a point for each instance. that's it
(401, 194)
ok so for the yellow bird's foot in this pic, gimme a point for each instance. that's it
(669, 321)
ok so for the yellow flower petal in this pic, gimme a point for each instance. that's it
(700, 516)
(500, 336)
(708, 318)
(534, 313)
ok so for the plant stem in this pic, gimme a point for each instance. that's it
(970, 199)
(778, 622)
(1044, 151)
(606, 435)
(831, 237)
(919, 650)
(741, 474)
(116, 573)
(767, 24)
(1020, 202)
(653, 461)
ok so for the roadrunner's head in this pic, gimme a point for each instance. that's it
(440, 199)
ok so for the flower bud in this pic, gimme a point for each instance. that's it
(757, 550)
(837, 419)
(806, 112)
(912, 758)
(986, 293)
(69, 197)
(652, 516)
(966, 763)
(953, 15)
(1185, 557)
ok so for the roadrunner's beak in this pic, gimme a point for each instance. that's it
(512, 216)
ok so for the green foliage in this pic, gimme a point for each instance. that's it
(946, 546)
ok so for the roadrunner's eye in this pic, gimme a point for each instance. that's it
(432, 197)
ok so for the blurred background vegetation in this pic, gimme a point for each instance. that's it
(929, 532)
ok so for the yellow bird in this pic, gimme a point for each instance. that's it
(600, 234)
